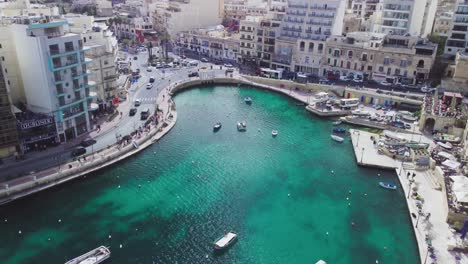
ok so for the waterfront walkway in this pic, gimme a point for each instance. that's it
(429, 223)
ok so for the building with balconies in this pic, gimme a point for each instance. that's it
(54, 73)
(305, 27)
(214, 43)
(458, 35)
(391, 58)
(400, 17)
(9, 143)
(102, 48)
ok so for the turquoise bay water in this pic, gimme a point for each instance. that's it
(168, 203)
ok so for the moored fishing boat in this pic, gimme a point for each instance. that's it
(337, 138)
(387, 185)
(339, 130)
(225, 241)
(248, 100)
(217, 126)
(274, 133)
(94, 256)
(337, 123)
(241, 126)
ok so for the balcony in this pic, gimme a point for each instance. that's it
(245, 30)
(292, 29)
(110, 77)
(292, 5)
(80, 75)
(298, 21)
(320, 15)
(296, 13)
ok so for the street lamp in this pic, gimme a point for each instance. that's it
(409, 188)
(417, 220)
(362, 154)
(357, 141)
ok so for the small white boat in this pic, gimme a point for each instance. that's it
(135, 144)
(320, 262)
(248, 100)
(94, 256)
(337, 123)
(274, 133)
(359, 112)
(337, 138)
(241, 126)
(447, 145)
(225, 241)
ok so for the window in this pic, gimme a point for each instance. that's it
(381, 69)
(350, 54)
(311, 47)
(3, 58)
(403, 63)
(320, 48)
(389, 71)
(348, 65)
(6, 70)
(386, 61)
(364, 57)
(302, 46)
(421, 64)
(90, 37)
(369, 68)
(397, 71)
(329, 50)
(341, 64)
(328, 60)
(371, 57)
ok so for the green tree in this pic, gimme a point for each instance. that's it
(440, 41)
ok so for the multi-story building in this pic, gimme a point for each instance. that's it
(102, 49)
(8, 134)
(305, 27)
(400, 17)
(54, 73)
(458, 37)
(360, 16)
(391, 58)
(443, 24)
(240, 9)
(182, 16)
(213, 43)
(257, 40)
(457, 74)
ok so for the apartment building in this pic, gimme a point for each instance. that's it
(443, 24)
(9, 143)
(400, 17)
(361, 15)
(257, 40)
(457, 74)
(304, 29)
(186, 15)
(390, 58)
(54, 63)
(458, 37)
(213, 42)
(102, 49)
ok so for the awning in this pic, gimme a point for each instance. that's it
(451, 164)
(462, 197)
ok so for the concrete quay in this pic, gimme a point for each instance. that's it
(327, 113)
(429, 224)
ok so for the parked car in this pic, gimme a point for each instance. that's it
(144, 114)
(193, 74)
(149, 69)
(427, 89)
(385, 83)
(325, 81)
(357, 78)
(88, 142)
(152, 79)
(204, 60)
(133, 111)
(78, 152)
(230, 70)
(228, 65)
(149, 86)
(137, 102)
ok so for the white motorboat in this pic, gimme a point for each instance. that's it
(225, 241)
(359, 112)
(321, 262)
(241, 126)
(94, 256)
(274, 133)
(248, 100)
(337, 138)
(337, 123)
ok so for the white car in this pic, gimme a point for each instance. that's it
(204, 60)
(149, 85)
(228, 65)
(357, 78)
(427, 89)
(385, 83)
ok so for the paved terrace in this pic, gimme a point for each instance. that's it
(432, 229)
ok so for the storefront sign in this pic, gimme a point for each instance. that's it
(35, 123)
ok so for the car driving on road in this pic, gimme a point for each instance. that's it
(133, 111)
(149, 86)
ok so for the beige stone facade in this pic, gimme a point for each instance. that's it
(395, 59)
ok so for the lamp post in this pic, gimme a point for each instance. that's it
(362, 154)
(357, 141)
(409, 188)
(417, 219)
